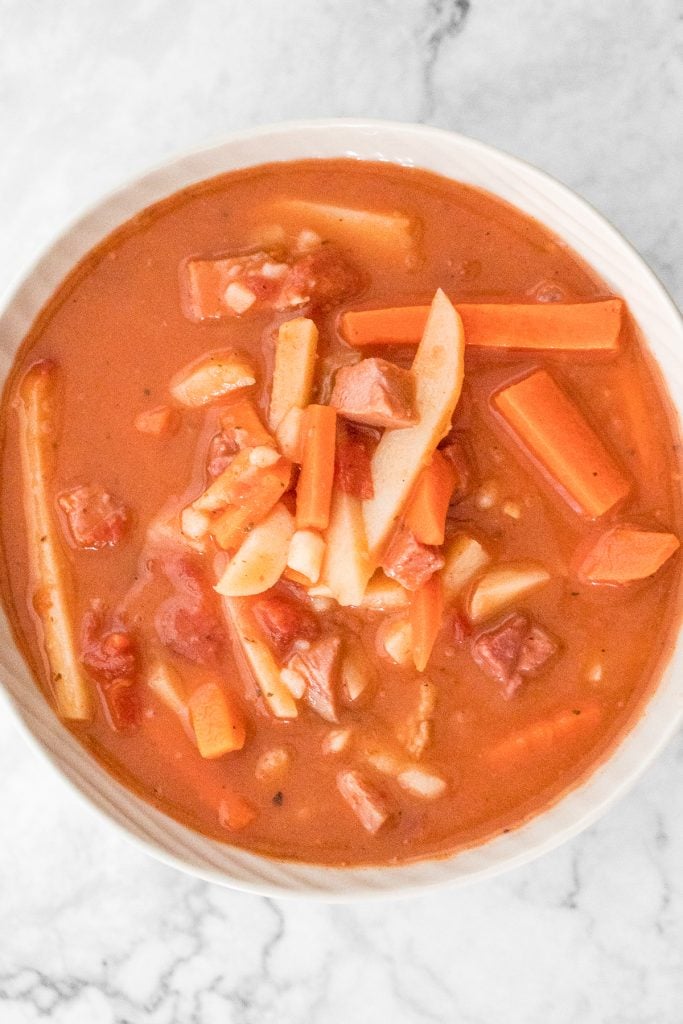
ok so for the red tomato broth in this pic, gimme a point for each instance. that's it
(117, 331)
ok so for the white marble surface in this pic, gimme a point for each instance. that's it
(90, 929)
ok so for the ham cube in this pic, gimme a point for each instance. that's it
(512, 650)
(94, 517)
(369, 806)
(319, 666)
(410, 562)
(376, 393)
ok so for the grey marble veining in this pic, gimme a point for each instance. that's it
(90, 929)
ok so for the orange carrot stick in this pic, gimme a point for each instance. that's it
(426, 612)
(250, 504)
(554, 432)
(314, 489)
(426, 512)
(626, 553)
(218, 724)
(537, 740)
(572, 327)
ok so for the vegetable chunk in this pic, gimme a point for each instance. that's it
(428, 506)
(314, 489)
(295, 355)
(261, 558)
(552, 326)
(401, 454)
(346, 566)
(212, 377)
(426, 613)
(501, 586)
(259, 658)
(218, 725)
(38, 410)
(382, 234)
(553, 431)
(624, 554)
(534, 742)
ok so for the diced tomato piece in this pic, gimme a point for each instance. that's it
(410, 562)
(95, 518)
(121, 701)
(284, 620)
(189, 623)
(110, 653)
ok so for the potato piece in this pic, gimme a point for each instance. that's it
(382, 234)
(166, 682)
(401, 454)
(289, 434)
(346, 567)
(465, 557)
(395, 640)
(501, 586)
(38, 412)
(211, 377)
(259, 658)
(295, 352)
(306, 553)
(421, 783)
(356, 675)
(382, 594)
(262, 558)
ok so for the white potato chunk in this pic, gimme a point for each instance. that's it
(400, 456)
(306, 553)
(265, 669)
(211, 377)
(502, 586)
(464, 558)
(262, 558)
(392, 234)
(295, 352)
(288, 434)
(346, 567)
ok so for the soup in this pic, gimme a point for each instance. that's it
(343, 530)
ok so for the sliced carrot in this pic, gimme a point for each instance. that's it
(248, 500)
(551, 428)
(626, 553)
(572, 327)
(426, 612)
(538, 740)
(314, 490)
(218, 724)
(427, 508)
(241, 420)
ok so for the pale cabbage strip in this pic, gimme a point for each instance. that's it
(37, 408)
(438, 369)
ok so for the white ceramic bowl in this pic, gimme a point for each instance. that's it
(583, 229)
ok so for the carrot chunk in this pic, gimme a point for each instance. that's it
(241, 422)
(426, 512)
(314, 490)
(248, 494)
(426, 613)
(537, 740)
(218, 725)
(574, 327)
(553, 431)
(626, 553)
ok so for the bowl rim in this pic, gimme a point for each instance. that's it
(350, 888)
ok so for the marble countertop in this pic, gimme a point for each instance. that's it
(91, 930)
